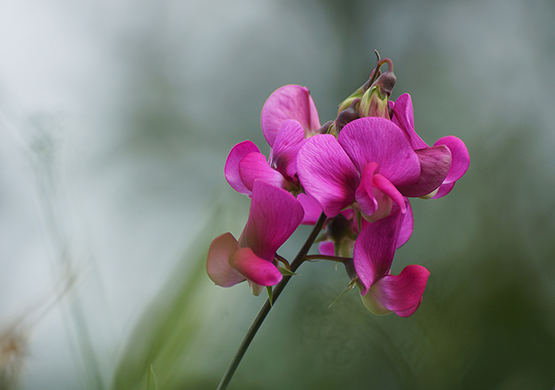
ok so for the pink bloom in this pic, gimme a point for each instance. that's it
(371, 162)
(289, 102)
(274, 215)
(382, 292)
(404, 117)
(288, 117)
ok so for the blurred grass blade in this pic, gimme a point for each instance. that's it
(151, 377)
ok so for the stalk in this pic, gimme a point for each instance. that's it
(261, 316)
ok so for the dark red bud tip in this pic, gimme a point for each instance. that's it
(324, 129)
(387, 80)
(347, 115)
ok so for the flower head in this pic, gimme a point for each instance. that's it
(274, 215)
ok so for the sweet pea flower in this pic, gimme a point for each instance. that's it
(383, 293)
(371, 162)
(402, 115)
(274, 215)
(288, 117)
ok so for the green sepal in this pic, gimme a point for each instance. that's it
(350, 286)
(285, 271)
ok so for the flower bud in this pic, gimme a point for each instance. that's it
(345, 104)
(374, 101)
(347, 115)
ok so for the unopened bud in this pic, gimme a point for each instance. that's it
(374, 103)
(347, 115)
(356, 95)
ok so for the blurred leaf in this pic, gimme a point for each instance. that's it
(171, 324)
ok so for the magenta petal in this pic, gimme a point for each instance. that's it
(405, 231)
(288, 102)
(254, 268)
(435, 164)
(374, 249)
(379, 140)
(254, 167)
(460, 157)
(286, 146)
(327, 173)
(404, 117)
(402, 293)
(217, 264)
(231, 169)
(365, 192)
(311, 207)
(390, 190)
(274, 215)
(443, 190)
(327, 248)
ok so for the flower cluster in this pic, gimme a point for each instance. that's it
(359, 170)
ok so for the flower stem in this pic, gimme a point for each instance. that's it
(299, 259)
(325, 257)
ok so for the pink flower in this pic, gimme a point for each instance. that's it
(402, 115)
(288, 117)
(274, 215)
(371, 163)
(383, 293)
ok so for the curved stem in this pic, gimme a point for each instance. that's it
(299, 259)
(326, 257)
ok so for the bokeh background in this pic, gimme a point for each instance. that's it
(115, 121)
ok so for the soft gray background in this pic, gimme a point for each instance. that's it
(115, 121)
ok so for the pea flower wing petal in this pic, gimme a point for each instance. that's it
(254, 167)
(375, 248)
(254, 268)
(459, 165)
(401, 293)
(217, 264)
(231, 170)
(435, 163)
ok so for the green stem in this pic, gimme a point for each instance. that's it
(326, 257)
(299, 259)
